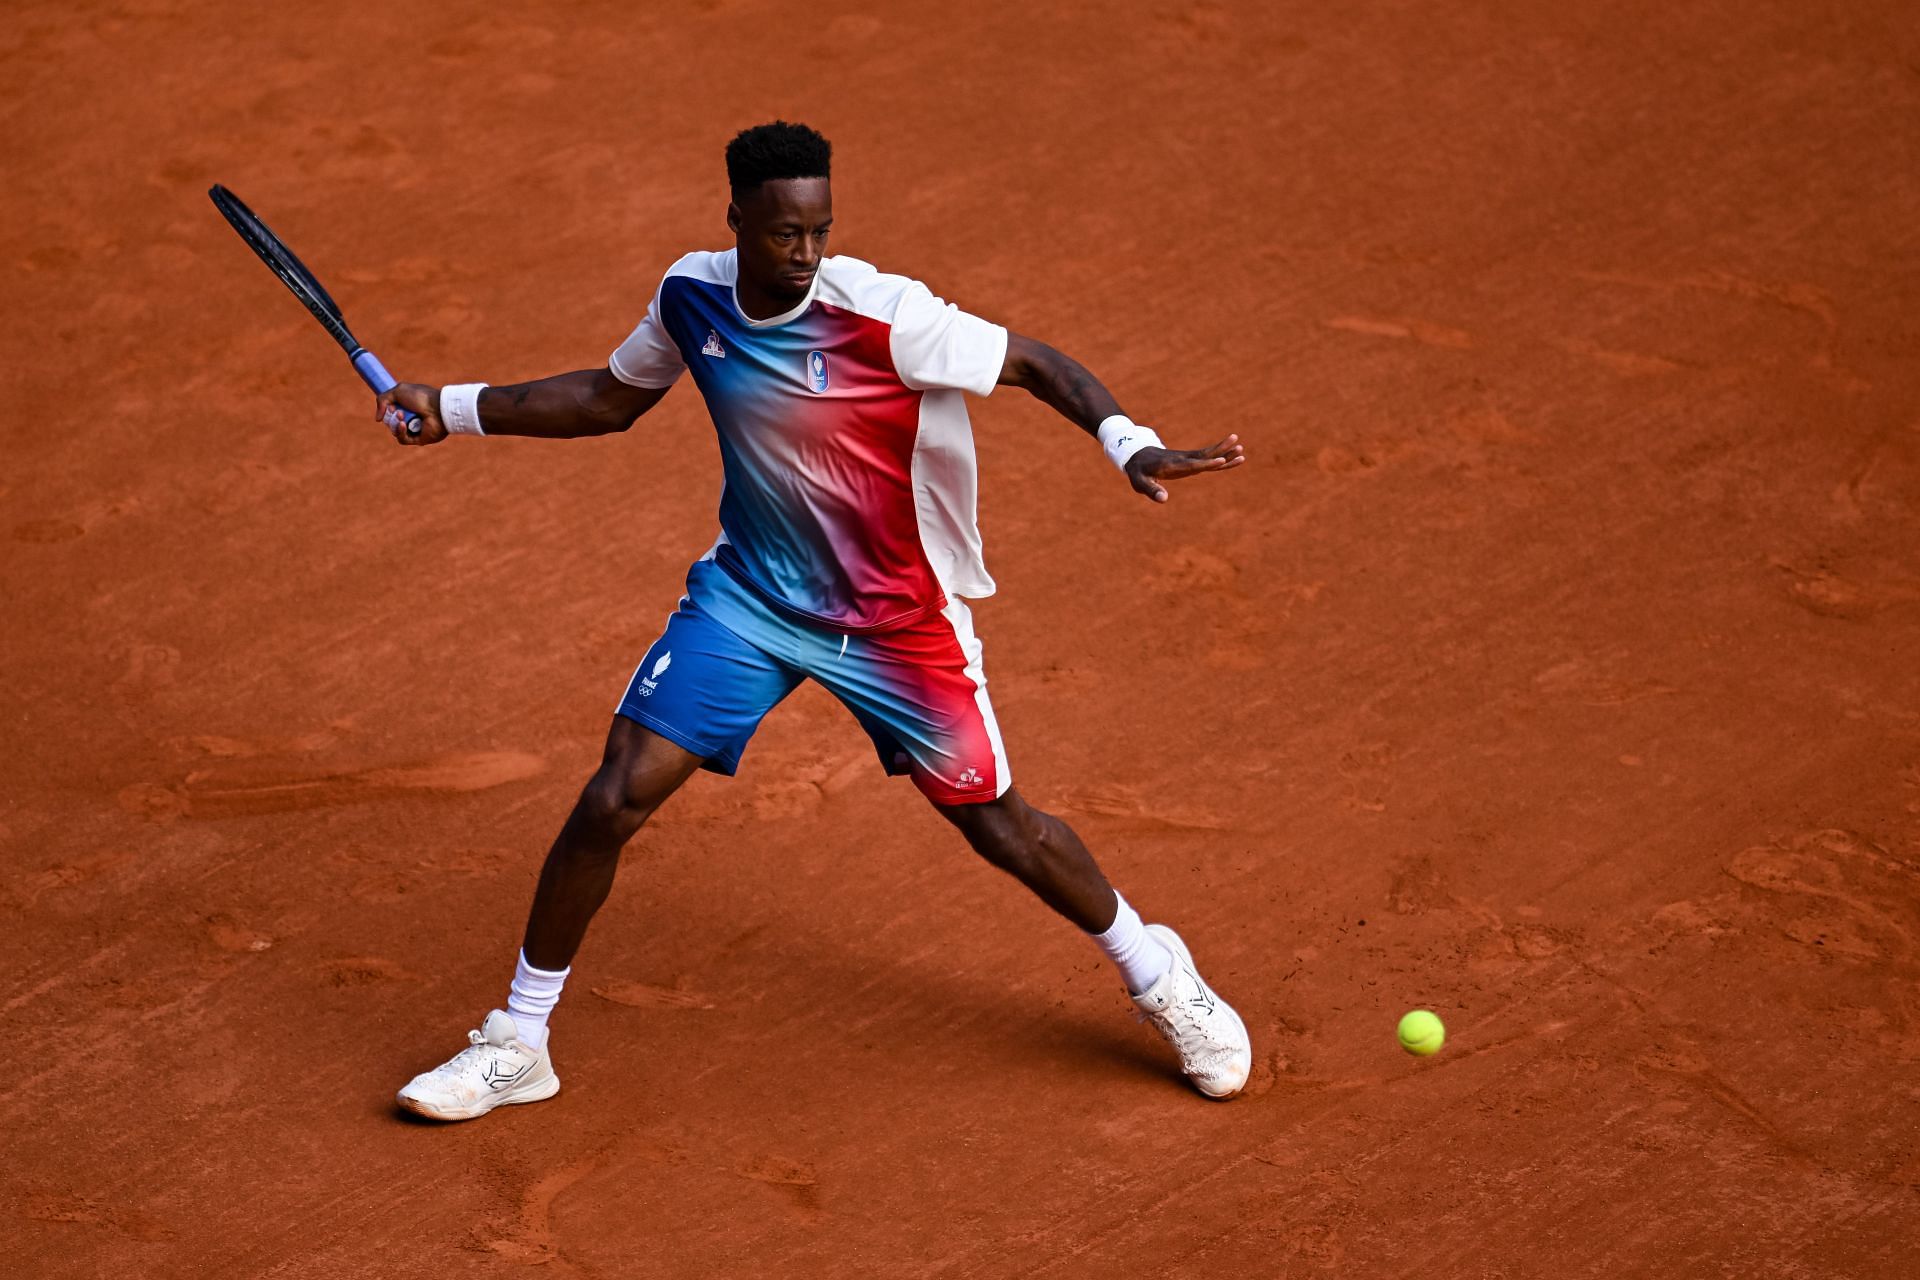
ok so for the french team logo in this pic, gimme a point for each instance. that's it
(649, 683)
(713, 347)
(817, 371)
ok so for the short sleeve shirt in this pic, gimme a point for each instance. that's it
(850, 475)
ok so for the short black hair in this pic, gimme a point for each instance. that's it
(769, 152)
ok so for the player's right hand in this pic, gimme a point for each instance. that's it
(422, 400)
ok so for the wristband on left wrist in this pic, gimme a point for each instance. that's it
(1121, 437)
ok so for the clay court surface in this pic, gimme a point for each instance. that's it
(1553, 664)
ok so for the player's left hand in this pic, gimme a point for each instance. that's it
(1147, 468)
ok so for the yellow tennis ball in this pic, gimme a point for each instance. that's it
(1421, 1033)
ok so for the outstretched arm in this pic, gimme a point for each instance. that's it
(1066, 385)
(591, 402)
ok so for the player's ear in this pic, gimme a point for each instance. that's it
(733, 217)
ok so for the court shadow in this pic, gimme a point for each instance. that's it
(1045, 1026)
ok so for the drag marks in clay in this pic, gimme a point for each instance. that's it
(641, 995)
(1596, 683)
(1791, 296)
(229, 934)
(1192, 568)
(1853, 495)
(89, 1211)
(1821, 591)
(791, 1178)
(1273, 1066)
(1631, 364)
(385, 881)
(1463, 440)
(1488, 425)
(529, 1239)
(364, 971)
(1406, 328)
(526, 1234)
(1692, 1069)
(786, 786)
(237, 791)
(1806, 300)
(1337, 460)
(1828, 896)
(27, 890)
(1237, 630)
(54, 529)
(1115, 800)
(1843, 895)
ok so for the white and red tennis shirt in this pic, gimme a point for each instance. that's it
(850, 474)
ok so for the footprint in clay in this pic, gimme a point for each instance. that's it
(1843, 894)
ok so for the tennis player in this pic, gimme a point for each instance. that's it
(848, 547)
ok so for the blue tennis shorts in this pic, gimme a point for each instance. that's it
(727, 658)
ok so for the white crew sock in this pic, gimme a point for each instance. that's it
(1135, 952)
(534, 993)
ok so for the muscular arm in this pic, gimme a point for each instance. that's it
(590, 402)
(1066, 385)
(1059, 380)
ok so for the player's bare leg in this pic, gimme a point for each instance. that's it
(638, 771)
(506, 1060)
(1041, 852)
(1045, 854)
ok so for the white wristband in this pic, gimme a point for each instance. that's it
(1122, 437)
(460, 408)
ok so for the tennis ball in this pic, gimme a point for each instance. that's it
(1421, 1033)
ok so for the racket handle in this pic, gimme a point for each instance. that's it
(375, 375)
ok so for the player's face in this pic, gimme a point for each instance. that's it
(781, 230)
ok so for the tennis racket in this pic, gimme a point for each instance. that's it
(306, 286)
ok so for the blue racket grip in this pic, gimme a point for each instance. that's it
(375, 375)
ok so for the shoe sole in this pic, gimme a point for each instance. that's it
(1176, 944)
(538, 1092)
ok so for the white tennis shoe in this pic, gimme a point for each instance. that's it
(494, 1070)
(1210, 1037)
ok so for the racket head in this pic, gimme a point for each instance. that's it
(281, 260)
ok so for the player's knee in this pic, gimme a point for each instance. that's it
(618, 800)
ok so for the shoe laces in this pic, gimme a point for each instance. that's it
(1184, 1024)
(466, 1059)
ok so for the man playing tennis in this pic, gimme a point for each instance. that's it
(848, 544)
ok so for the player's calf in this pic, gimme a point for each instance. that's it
(638, 772)
(1041, 852)
(1046, 855)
